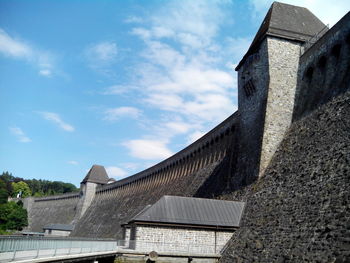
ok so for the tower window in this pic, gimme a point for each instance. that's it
(249, 88)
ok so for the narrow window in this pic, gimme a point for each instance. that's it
(249, 88)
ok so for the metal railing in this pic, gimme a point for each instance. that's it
(13, 248)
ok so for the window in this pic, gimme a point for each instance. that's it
(249, 88)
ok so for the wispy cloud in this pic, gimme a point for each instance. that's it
(116, 172)
(133, 19)
(101, 55)
(56, 119)
(185, 72)
(19, 49)
(325, 10)
(21, 136)
(114, 114)
(73, 162)
(148, 149)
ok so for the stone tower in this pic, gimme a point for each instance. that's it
(96, 176)
(267, 79)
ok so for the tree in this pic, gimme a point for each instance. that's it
(21, 188)
(3, 192)
(13, 216)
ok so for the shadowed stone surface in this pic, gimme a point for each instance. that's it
(300, 211)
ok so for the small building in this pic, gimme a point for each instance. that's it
(58, 230)
(183, 225)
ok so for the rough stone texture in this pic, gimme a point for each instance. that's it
(300, 211)
(51, 210)
(115, 207)
(283, 65)
(324, 70)
(252, 115)
(179, 239)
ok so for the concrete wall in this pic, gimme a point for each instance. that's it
(179, 239)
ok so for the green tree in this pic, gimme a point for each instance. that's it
(21, 187)
(3, 192)
(13, 216)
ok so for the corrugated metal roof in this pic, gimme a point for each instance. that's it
(192, 211)
(286, 21)
(62, 227)
(97, 174)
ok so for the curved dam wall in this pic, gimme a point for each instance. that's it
(198, 170)
(183, 174)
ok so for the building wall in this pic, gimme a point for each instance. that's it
(57, 233)
(178, 239)
(253, 80)
(283, 62)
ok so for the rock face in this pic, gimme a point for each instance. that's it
(300, 211)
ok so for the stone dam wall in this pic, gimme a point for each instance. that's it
(59, 209)
(324, 70)
(183, 174)
(202, 163)
(300, 211)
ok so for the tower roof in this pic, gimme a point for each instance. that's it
(192, 211)
(97, 174)
(286, 21)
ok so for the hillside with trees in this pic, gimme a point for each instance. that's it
(34, 187)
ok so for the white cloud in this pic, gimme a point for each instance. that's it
(18, 49)
(21, 136)
(56, 119)
(326, 11)
(116, 172)
(118, 89)
(133, 19)
(73, 162)
(101, 54)
(114, 114)
(148, 149)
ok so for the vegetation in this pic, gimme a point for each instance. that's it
(34, 187)
(12, 215)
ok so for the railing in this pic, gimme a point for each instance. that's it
(14, 248)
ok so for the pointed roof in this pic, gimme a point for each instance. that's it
(97, 174)
(286, 21)
(192, 211)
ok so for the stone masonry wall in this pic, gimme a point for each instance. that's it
(300, 210)
(253, 79)
(169, 239)
(283, 66)
(51, 210)
(324, 69)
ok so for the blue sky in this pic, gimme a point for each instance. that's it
(124, 84)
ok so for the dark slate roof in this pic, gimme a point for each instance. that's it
(61, 227)
(192, 211)
(286, 21)
(97, 174)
